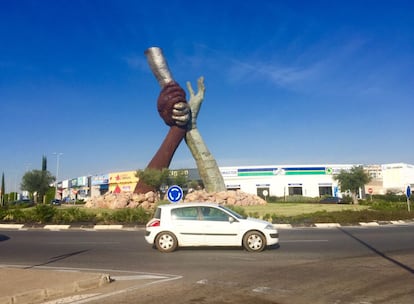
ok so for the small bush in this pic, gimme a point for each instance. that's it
(292, 199)
(131, 216)
(13, 215)
(238, 209)
(73, 215)
(43, 213)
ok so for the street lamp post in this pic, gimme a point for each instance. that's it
(57, 173)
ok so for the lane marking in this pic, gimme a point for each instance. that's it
(303, 241)
(138, 277)
(72, 299)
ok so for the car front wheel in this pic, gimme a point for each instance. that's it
(254, 241)
(166, 242)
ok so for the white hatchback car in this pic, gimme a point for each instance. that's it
(207, 224)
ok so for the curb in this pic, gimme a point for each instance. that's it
(67, 286)
(138, 228)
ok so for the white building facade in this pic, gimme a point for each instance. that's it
(396, 177)
(285, 180)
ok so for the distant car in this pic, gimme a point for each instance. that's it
(207, 224)
(56, 202)
(331, 200)
(25, 202)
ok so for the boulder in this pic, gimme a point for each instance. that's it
(150, 199)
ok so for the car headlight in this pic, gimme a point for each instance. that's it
(269, 226)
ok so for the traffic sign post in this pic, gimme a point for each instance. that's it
(174, 194)
(370, 190)
(408, 194)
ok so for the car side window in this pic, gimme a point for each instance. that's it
(214, 214)
(187, 213)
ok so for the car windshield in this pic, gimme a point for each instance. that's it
(234, 213)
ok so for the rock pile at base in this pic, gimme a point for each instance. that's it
(149, 200)
(230, 197)
(124, 200)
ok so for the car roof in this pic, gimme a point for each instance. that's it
(192, 204)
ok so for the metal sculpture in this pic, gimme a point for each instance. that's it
(177, 113)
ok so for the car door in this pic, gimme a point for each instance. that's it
(218, 229)
(188, 226)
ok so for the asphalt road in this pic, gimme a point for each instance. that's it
(338, 265)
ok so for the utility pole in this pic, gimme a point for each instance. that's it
(58, 154)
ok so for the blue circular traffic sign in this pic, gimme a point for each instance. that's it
(408, 191)
(174, 194)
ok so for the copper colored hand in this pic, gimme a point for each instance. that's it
(175, 112)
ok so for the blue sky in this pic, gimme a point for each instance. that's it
(287, 82)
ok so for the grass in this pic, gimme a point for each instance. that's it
(294, 209)
(309, 213)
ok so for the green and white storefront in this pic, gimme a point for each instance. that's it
(285, 180)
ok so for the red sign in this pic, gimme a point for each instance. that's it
(370, 190)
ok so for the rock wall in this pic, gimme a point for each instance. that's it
(149, 199)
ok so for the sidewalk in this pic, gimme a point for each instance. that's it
(24, 286)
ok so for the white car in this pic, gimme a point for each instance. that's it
(207, 224)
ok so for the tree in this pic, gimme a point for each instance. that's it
(42, 190)
(352, 181)
(2, 190)
(37, 181)
(156, 178)
(153, 178)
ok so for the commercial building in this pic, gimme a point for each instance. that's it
(285, 180)
(265, 181)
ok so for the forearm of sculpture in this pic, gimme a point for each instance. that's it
(163, 157)
(206, 164)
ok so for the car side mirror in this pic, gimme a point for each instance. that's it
(231, 219)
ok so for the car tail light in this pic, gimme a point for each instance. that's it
(154, 223)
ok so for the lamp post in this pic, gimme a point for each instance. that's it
(58, 154)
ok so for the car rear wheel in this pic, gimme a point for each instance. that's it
(166, 242)
(254, 241)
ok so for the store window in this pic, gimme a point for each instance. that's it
(325, 190)
(295, 190)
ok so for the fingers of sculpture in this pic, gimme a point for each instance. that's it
(181, 113)
(172, 105)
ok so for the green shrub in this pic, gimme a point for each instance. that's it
(43, 213)
(73, 215)
(267, 217)
(254, 214)
(391, 197)
(238, 209)
(13, 215)
(343, 217)
(293, 199)
(131, 216)
(382, 205)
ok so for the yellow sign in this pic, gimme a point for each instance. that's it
(122, 181)
(123, 177)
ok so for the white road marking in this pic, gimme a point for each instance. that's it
(138, 277)
(261, 289)
(303, 241)
(72, 299)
